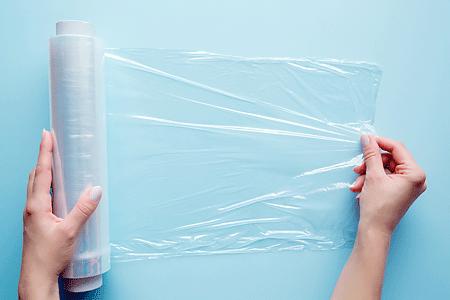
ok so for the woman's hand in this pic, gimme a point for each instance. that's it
(388, 184)
(48, 241)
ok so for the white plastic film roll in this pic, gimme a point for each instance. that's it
(78, 121)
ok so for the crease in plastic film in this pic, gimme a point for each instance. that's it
(211, 154)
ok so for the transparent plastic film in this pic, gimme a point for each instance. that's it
(213, 154)
(78, 121)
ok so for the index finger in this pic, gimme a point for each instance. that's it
(399, 152)
(43, 171)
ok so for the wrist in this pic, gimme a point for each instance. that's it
(374, 227)
(368, 234)
(33, 285)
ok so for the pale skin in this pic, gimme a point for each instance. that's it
(387, 186)
(48, 241)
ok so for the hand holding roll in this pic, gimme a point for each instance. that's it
(48, 241)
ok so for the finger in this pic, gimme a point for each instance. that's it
(360, 169)
(84, 208)
(388, 162)
(358, 197)
(386, 158)
(356, 187)
(392, 166)
(372, 156)
(30, 182)
(43, 170)
(399, 152)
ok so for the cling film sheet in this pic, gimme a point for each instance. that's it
(212, 154)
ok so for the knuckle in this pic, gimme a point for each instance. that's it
(422, 175)
(419, 177)
(400, 144)
(41, 169)
(29, 211)
(370, 154)
(85, 208)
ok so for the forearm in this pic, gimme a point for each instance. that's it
(362, 276)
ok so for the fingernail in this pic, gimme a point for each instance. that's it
(43, 133)
(353, 184)
(365, 141)
(95, 193)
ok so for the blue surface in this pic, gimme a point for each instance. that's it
(408, 39)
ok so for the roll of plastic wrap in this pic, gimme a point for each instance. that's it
(79, 136)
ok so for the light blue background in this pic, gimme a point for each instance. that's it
(410, 40)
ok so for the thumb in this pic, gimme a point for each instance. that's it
(372, 156)
(84, 208)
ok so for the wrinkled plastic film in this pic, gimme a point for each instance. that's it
(79, 137)
(213, 154)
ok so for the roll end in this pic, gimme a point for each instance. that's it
(78, 285)
(75, 27)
